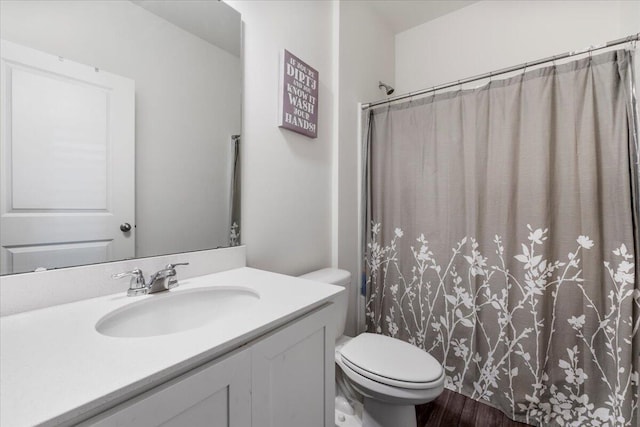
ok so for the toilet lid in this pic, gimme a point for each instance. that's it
(379, 357)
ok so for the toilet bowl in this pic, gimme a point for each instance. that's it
(390, 376)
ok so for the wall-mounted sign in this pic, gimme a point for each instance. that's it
(298, 106)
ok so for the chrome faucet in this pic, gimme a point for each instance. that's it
(164, 279)
(136, 284)
(161, 280)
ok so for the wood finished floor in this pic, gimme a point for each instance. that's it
(455, 410)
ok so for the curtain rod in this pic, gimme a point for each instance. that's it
(631, 38)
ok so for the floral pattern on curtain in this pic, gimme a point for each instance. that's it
(502, 239)
(234, 229)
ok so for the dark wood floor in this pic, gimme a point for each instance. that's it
(455, 410)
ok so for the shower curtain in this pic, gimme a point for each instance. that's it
(502, 239)
(234, 193)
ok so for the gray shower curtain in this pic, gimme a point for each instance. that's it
(234, 226)
(502, 233)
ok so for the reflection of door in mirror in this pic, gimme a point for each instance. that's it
(67, 142)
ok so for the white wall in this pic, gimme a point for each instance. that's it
(300, 196)
(182, 132)
(366, 56)
(490, 35)
(286, 177)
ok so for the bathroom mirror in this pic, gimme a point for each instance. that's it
(182, 62)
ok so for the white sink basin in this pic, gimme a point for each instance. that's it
(177, 311)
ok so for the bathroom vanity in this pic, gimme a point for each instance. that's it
(263, 356)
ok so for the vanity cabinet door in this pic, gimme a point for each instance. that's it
(293, 374)
(214, 395)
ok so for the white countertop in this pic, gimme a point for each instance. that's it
(55, 367)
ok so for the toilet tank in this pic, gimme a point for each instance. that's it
(338, 277)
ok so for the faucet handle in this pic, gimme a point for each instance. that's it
(173, 266)
(172, 280)
(136, 284)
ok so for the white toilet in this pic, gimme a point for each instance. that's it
(390, 375)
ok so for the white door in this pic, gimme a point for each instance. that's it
(66, 162)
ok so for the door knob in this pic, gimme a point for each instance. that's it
(125, 227)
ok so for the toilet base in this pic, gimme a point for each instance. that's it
(348, 414)
(379, 414)
(347, 420)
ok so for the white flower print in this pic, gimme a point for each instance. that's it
(585, 242)
(577, 322)
(448, 308)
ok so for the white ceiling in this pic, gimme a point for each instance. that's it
(197, 16)
(212, 21)
(404, 14)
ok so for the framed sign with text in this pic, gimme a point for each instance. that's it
(298, 105)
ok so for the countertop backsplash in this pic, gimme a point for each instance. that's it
(32, 291)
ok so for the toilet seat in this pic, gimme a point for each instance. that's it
(391, 362)
(390, 394)
(389, 381)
